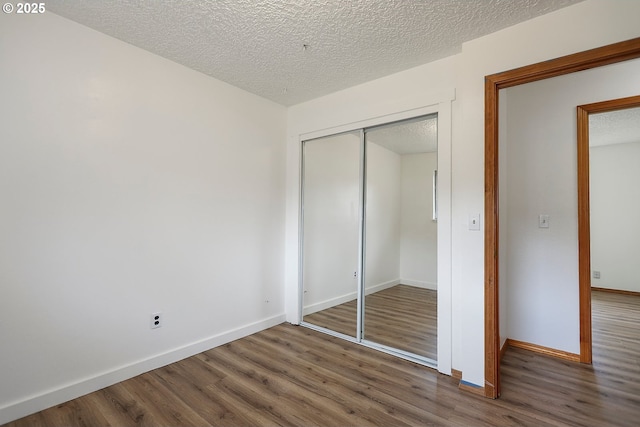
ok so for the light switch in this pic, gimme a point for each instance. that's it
(474, 222)
(543, 221)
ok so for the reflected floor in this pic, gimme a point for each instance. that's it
(402, 317)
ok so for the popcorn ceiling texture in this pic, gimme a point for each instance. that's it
(257, 45)
(407, 137)
(614, 127)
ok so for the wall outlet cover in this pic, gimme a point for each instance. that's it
(156, 320)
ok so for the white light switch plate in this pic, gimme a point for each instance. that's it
(543, 221)
(474, 222)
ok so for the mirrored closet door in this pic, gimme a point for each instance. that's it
(369, 236)
(331, 231)
(400, 303)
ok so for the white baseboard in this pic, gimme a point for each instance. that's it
(332, 302)
(47, 399)
(420, 284)
(382, 286)
(323, 305)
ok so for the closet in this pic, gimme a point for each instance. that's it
(369, 236)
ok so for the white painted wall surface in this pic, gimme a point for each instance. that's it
(382, 231)
(331, 220)
(615, 202)
(129, 185)
(542, 267)
(418, 251)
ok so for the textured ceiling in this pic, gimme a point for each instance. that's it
(291, 51)
(407, 137)
(615, 127)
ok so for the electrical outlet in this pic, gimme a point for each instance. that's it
(596, 274)
(156, 320)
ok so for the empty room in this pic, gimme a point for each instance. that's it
(251, 212)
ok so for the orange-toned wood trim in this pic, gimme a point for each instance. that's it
(616, 291)
(584, 237)
(456, 374)
(491, 295)
(472, 389)
(612, 105)
(547, 351)
(593, 58)
(584, 227)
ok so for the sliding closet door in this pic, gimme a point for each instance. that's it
(331, 224)
(400, 303)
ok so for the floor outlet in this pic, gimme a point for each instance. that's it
(156, 320)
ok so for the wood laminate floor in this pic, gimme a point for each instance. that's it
(403, 317)
(294, 376)
(340, 318)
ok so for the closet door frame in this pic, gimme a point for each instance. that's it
(441, 107)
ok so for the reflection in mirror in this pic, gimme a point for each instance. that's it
(614, 156)
(400, 309)
(331, 226)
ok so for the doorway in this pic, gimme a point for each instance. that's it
(581, 61)
(585, 122)
(370, 236)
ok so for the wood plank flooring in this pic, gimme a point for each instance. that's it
(294, 376)
(606, 393)
(402, 317)
(340, 318)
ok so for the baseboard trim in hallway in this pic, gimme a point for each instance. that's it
(547, 351)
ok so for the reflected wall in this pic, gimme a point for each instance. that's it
(369, 235)
(331, 228)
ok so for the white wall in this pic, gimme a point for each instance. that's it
(382, 253)
(615, 202)
(542, 268)
(418, 251)
(129, 185)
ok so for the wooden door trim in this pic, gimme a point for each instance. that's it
(593, 58)
(584, 221)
